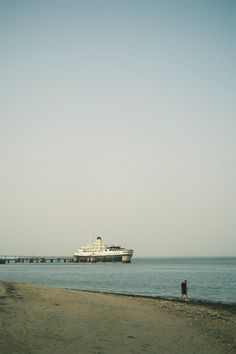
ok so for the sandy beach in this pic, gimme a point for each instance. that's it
(37, 319)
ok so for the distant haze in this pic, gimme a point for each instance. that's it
(118, 119)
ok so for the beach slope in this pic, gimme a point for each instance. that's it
(37, 319)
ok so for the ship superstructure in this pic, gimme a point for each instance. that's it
(99, 252)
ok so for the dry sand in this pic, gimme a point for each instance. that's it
(37, 319)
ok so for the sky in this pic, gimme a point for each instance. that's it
(118, 119)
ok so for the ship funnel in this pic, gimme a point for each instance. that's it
(98, 241)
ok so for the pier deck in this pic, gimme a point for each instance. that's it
(35, 259)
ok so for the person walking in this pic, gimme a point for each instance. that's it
(184, 291)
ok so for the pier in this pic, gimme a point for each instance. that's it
(35, 259)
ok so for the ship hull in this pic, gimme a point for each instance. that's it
(107, 258)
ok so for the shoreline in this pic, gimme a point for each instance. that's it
(39, 319)
(201, 302)
(230, 306)
(198, 301)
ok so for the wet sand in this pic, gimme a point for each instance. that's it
(37, 319)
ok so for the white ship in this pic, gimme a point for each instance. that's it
(99, 252)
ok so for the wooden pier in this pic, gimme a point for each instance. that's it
(36, 259)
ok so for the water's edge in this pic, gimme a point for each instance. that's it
(205, 303)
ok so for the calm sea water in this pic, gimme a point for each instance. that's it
(209, 279)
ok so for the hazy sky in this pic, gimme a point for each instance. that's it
(118, 119)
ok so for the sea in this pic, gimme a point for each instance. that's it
(209, 279)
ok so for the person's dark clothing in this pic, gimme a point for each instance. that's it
(184, 288)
